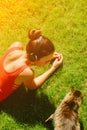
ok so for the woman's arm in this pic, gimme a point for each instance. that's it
(34, 83)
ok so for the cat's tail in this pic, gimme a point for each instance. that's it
(49, 118)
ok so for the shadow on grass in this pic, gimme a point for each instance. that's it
(28, 107)
(81, 125)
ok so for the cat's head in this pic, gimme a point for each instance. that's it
(73, 99)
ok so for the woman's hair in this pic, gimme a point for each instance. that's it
(38, 46)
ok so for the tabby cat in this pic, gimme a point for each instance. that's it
(66, 115)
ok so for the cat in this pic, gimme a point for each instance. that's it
(66, 116)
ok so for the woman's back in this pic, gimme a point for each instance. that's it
(14, 58)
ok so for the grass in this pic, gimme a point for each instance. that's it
(65, 23)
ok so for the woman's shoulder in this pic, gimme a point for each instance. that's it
(27, 72)
(26, 76)
(16, 44)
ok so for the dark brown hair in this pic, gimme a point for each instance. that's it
(38, 46)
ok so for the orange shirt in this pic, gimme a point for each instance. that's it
(7, 79)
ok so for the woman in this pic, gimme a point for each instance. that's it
(15, 64)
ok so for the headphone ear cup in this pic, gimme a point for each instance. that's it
(32, 57)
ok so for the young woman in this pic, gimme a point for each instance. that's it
(15, 65)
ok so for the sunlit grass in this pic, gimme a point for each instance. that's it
(65, 23)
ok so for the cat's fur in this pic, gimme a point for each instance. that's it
(66, 115)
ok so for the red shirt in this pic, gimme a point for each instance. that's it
(7, 79)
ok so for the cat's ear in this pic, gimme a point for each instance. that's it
(72, 89)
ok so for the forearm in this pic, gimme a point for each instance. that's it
(38, 81)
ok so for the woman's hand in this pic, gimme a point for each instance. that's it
(58, 60)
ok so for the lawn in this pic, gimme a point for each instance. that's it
(64, 22)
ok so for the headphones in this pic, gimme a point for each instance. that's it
(32, 55)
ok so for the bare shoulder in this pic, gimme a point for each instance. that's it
(16, 44)
(25, 77)
(27, 72)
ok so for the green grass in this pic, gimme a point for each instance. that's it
(65, 23)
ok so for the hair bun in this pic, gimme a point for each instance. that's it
(34, 34)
